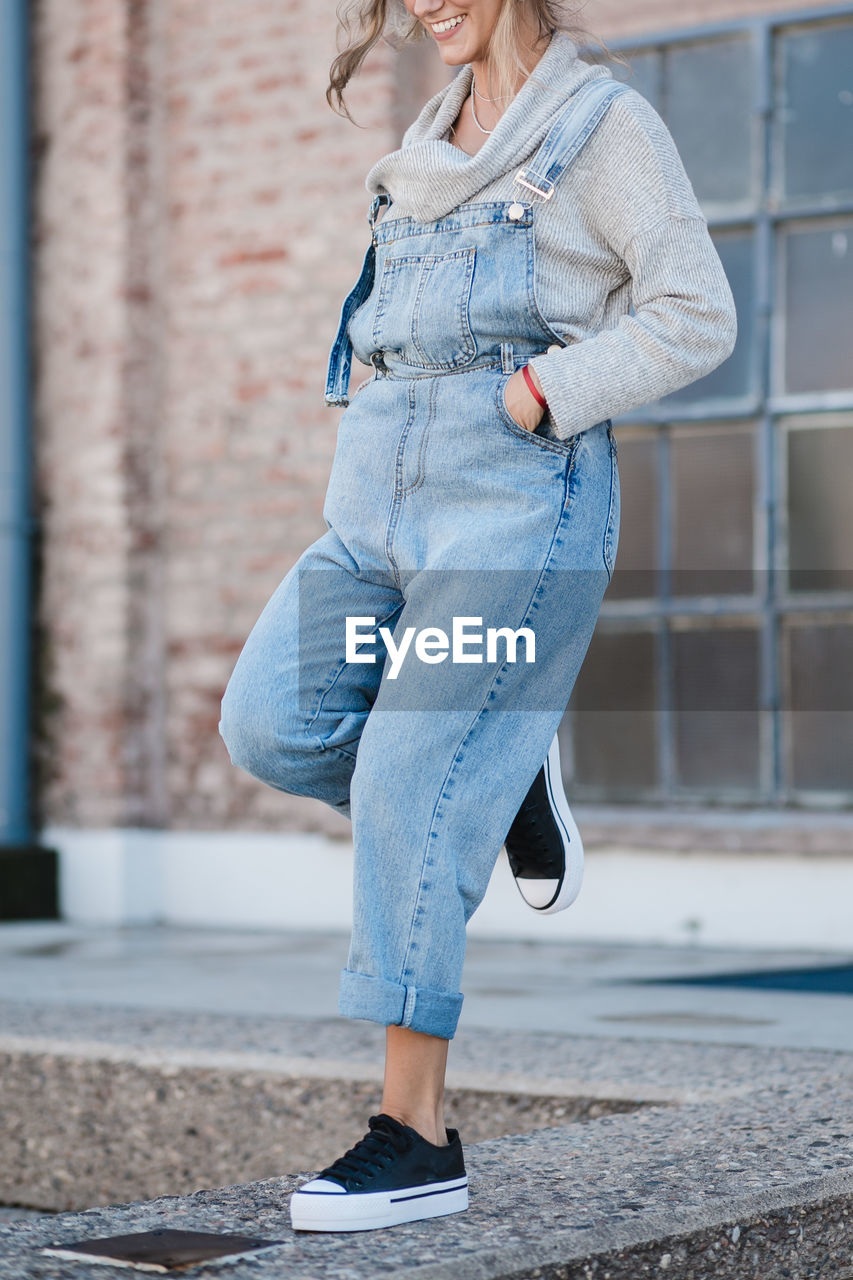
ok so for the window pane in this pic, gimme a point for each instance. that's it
(635, 575)
(614, 721)
(644, 74)
(820, 750)
(816, 110)
(817, 266)
(695, 487)
(734, 376)
(819, 671)
(715, 689)
(712, 512)
(820, 513)
(709, 113)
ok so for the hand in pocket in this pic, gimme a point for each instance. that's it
(520, 403)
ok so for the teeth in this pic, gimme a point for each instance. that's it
(449, 24)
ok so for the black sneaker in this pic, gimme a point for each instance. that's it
(391, 1175)
(543, 845)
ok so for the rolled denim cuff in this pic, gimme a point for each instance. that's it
(436, 1013)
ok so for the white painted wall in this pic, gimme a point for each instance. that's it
(305, 882)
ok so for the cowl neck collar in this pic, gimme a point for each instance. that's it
(428, 176)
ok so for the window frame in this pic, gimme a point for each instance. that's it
(768, 411)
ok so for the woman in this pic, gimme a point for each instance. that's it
(474, 482)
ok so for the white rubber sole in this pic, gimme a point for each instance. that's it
(572, 843)
(366, 1211)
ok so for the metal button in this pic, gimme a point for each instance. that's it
(555, 346)
(515, 211)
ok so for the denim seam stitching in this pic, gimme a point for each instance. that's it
(531, 437)
(463, 302)
(553, 169)
(607, 549)
(425, 858)
(531, 289)
(339, 366)
(410, 375)
(409, 1002)
(398, 491)
(468, 343)
(323, 693)
(420, 474)
(408, 228)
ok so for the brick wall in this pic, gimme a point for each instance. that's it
(199, 216)
(199, 213)
(81, 239)
(266, 215)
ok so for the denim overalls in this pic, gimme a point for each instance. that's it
(445, 518)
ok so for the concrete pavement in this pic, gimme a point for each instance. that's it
(572, 989)
(613, 1127)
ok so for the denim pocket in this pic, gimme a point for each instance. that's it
(423, 308)
(536, 438)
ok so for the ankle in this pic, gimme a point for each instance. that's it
(429, 1124)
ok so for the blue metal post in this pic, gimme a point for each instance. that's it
(15, 475)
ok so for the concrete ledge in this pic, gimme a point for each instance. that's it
(707, 895)
(745, 1172)
(82, 1123)
(797, 1231)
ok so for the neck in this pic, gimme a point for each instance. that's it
(483, 71)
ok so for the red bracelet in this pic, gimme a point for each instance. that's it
(532, 385)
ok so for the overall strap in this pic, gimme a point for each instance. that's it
(340, 357)
(376, 204)
(573, 127)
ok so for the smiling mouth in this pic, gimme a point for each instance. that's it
(440, 28)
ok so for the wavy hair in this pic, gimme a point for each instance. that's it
(363, 23)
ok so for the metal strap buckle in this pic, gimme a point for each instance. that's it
(545, 191)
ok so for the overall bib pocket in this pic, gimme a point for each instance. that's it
(563, 447)
(423, 308)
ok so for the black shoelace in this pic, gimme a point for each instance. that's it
(374, 1152)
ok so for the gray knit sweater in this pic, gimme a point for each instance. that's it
(623, 228)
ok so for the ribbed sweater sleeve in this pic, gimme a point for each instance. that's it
(637, 199)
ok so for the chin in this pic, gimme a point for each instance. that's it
(458, 57)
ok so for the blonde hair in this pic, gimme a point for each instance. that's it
(363, 23)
